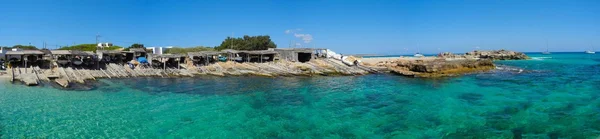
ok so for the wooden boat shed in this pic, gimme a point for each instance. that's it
(259, 56)
(166, 60)
(135, 53)
(110, 56)
(250, 56)
(71, 57)
(25, 58)
(296, 54)
(205, 57)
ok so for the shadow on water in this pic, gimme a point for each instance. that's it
(87, 86)
(501, 120)
(471, 98)
(432, 83)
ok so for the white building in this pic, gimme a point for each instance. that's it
(159, 49)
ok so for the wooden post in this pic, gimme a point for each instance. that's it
(164, 63)
(25, 61)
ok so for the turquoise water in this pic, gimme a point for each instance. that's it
(554, 96)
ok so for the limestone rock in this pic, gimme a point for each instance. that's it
(438, 67)
(493, 55)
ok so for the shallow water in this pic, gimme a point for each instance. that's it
(553, 96)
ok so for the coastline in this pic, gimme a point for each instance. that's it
(427, 67)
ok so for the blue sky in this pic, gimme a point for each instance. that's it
(373, 27)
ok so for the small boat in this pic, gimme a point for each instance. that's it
(31, 59)
(418, 55)
(546, 52)
(62, 60)
(266, 58)
(88, 61)
(238, 59)
(77, 61)
(590, 52)
(222, 58)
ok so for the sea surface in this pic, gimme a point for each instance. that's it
(549, 96)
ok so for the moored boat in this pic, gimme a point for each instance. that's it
(62, 60)
(222, 58)
(590, 52)
(418, 55)
(77, 61)
(546, 52)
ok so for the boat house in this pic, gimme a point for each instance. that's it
(165, 61)
(110, 56)
(203, 58)
(135, 53)
(296, 54)
(25, 58)
(74, 58)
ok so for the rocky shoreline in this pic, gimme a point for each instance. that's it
(447, 64)
(492, 55)
(437, 67)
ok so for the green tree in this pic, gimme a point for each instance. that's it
(88, 47)
(137, 45)
(247, 43)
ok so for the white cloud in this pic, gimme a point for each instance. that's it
(307, 38)
(292, 30)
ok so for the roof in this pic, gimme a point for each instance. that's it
(81, 53)
(168, 56)
(250, 52)
(204, 53)
(229, 51)
(137, 50)
(46, 51)
(60, 52)
(310, 50)
(261, 52)
(25, 52)
(109, 51)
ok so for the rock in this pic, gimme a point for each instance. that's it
(62, 82)
(493, 55)
(29, 79)
(439, 67)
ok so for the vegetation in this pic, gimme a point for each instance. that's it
(179, 50)
(24, 47)
(248, 43)
(88, 47)
(135, 45)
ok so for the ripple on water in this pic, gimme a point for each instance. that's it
(560, 101)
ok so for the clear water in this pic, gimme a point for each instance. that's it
(555, 96)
